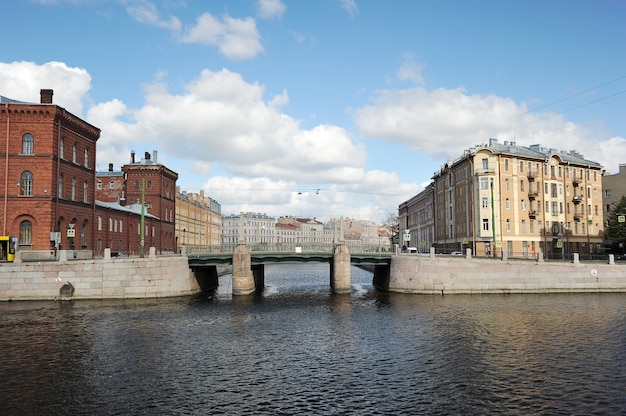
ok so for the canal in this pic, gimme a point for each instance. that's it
(296, 348)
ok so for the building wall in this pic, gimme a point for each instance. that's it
(63, 146)
(198, 220)
(519, 199)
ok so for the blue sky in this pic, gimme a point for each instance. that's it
(329, 107)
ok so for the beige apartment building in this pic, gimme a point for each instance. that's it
(504, 198)
(198, 220)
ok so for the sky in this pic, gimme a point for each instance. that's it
(323, 108)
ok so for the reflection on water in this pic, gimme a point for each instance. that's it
(296, 348)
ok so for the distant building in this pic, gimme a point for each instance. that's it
(198, 220)
(613, 188)
(417, 215)
(248, 227)
(519, 199)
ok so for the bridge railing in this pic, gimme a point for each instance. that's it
(353, 248)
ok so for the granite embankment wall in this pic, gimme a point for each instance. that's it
(119, 278)
(450, 274)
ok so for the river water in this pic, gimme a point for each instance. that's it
(297, 348)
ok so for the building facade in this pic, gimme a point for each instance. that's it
(198, 220)
(248, 227)
(521, 200)
(49, 158)
(417, 216)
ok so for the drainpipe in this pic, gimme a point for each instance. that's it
(6, 174)
(56, 204)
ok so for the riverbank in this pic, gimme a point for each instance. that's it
(429, 274)
(107, 278)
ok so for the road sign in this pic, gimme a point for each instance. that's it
(621, 218)
(407, 237)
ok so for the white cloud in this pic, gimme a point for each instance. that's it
(23, 80)
(146, 12)
(350, 6)
(269, 9)
(445, 122)
(235, 38)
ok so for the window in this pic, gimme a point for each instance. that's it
(26, 184)
(508, 224)
(523, 205)
(521, 166)
(485, 202)
(521, 185)
(484, 183)
(523, 226)
(62, 148)
(60, 186)
(74, 153)
(552, 174)
(27, 144)
(485, 224)
(506, 184)
(99, 184)
(553, 190)
(85, 192)
(83, 233)
(111, 185)
(149, 184)
(136, 184)
(73, 189)
(554, 208)
(485, 165)
(506, 164)
(86, 158)
(26, 233)
(507, 203)
(560, 171)
(99, 223)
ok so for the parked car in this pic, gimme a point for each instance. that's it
(456, 253)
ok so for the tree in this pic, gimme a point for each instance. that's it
(615, 226)
(392, 223)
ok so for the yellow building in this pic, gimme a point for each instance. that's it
(516, 199)
(198, 220)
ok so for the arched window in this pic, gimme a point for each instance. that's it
(85, 192)
(73, 189)
(62, 148)
(26, 233)
(27, 144)
(149, 184)
(86, 158)
(26, 184)
(74, 153)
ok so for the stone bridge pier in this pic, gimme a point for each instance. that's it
(248, 278)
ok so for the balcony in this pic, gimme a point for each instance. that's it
(532, 214)
(575, 182)
(576, 218)
(577, 199)
(532, 195)
(531, 176)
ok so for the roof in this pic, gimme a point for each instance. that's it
(4, 99)
(133, 208)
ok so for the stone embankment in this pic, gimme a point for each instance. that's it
(430, 274)
(108, 278)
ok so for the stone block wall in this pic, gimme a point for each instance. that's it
(149, 277)
(449, 275)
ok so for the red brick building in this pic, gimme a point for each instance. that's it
(48, 158)
(119, 196)
(53, 198)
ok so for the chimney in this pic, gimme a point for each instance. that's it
(46, 96)
(132, 156)
(146, 155)
(154, 156)
(110, 167)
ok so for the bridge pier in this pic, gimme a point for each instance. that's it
(243, 278)
(340, 269)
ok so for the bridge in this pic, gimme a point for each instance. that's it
(249, 261)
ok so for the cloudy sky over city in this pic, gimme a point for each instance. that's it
(329, 107)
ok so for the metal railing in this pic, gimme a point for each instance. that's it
(353, 248)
